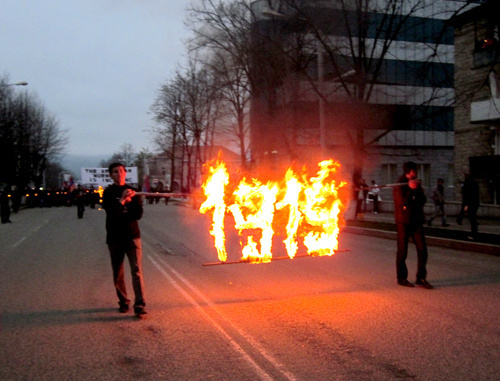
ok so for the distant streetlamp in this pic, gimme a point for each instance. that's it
(23, 83)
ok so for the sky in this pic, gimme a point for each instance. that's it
(96, 65)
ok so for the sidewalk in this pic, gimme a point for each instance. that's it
(454, 236)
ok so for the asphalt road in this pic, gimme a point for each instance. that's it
(330, 318)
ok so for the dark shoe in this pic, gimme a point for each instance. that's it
(123, 308)
(459, 221)
(445, 225)
(424, 284)
(405, 283)
(140, 312)
(429, 223)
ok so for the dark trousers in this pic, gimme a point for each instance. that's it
(471, 214)
(133, 251)
(404, 232)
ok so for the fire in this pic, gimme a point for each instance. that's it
(100, 190)
(312, 206)
(214, 190)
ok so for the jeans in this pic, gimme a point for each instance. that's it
(404, 232)
(133, 251)
(439, 211)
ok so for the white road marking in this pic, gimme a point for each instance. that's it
(18, 242)
(261, 372)
(39, 226)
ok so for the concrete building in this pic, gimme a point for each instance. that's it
(408, 114)
(477, 110)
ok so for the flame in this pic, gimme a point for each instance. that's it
(312, 205)
(254, 209)
(214, 190)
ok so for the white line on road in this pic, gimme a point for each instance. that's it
(261, 372)
(18, 242)
(39, 226)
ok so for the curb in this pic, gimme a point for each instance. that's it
(476, 247)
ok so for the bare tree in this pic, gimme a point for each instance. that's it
(187, 108)
(170, 111)
(125, 155)
(30, 138)
(222, 34)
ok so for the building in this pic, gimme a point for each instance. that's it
(477, 111)
(398, 109)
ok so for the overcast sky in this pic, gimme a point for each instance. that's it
(96, 65)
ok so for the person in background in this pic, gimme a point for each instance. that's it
(79, 196)
(365, 190)
(375, 190)
(409, 201)
(123, 211)
(470, 204)
(438, 198)
(5, 205)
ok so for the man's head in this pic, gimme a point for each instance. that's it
(118, 173)
(410, 170)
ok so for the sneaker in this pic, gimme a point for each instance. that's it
(445, 225)
(123, 308)
(140, 312)
(405, 283)
(429, 223)
(424, 284)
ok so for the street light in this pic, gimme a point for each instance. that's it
(23, 83)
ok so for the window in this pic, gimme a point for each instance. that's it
(424, 174)
(389, 173)
(451, 175)
(496, 149)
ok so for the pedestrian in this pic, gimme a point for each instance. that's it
(5, 206)
(409, 201)
(470, 204)
(159, 189)
(373, 195)
(123, 211)
(365, 190)
(78, 195)
(438, 198)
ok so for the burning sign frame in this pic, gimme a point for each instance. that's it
(305, 208)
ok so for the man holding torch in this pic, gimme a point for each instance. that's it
(123, 210)
(409, 201)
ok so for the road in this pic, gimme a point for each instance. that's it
(325, 318)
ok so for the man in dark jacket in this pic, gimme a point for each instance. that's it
(470, 204)
(123, 210)
(409, 201)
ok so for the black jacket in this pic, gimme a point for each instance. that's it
(121, 220)
(408, 203)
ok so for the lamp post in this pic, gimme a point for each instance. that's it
(23, 83)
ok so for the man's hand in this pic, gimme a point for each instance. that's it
(127, 196)
(413, 184)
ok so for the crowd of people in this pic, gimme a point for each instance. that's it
(11, 198)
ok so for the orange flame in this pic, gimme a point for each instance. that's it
(313, 207)
(214, 190)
